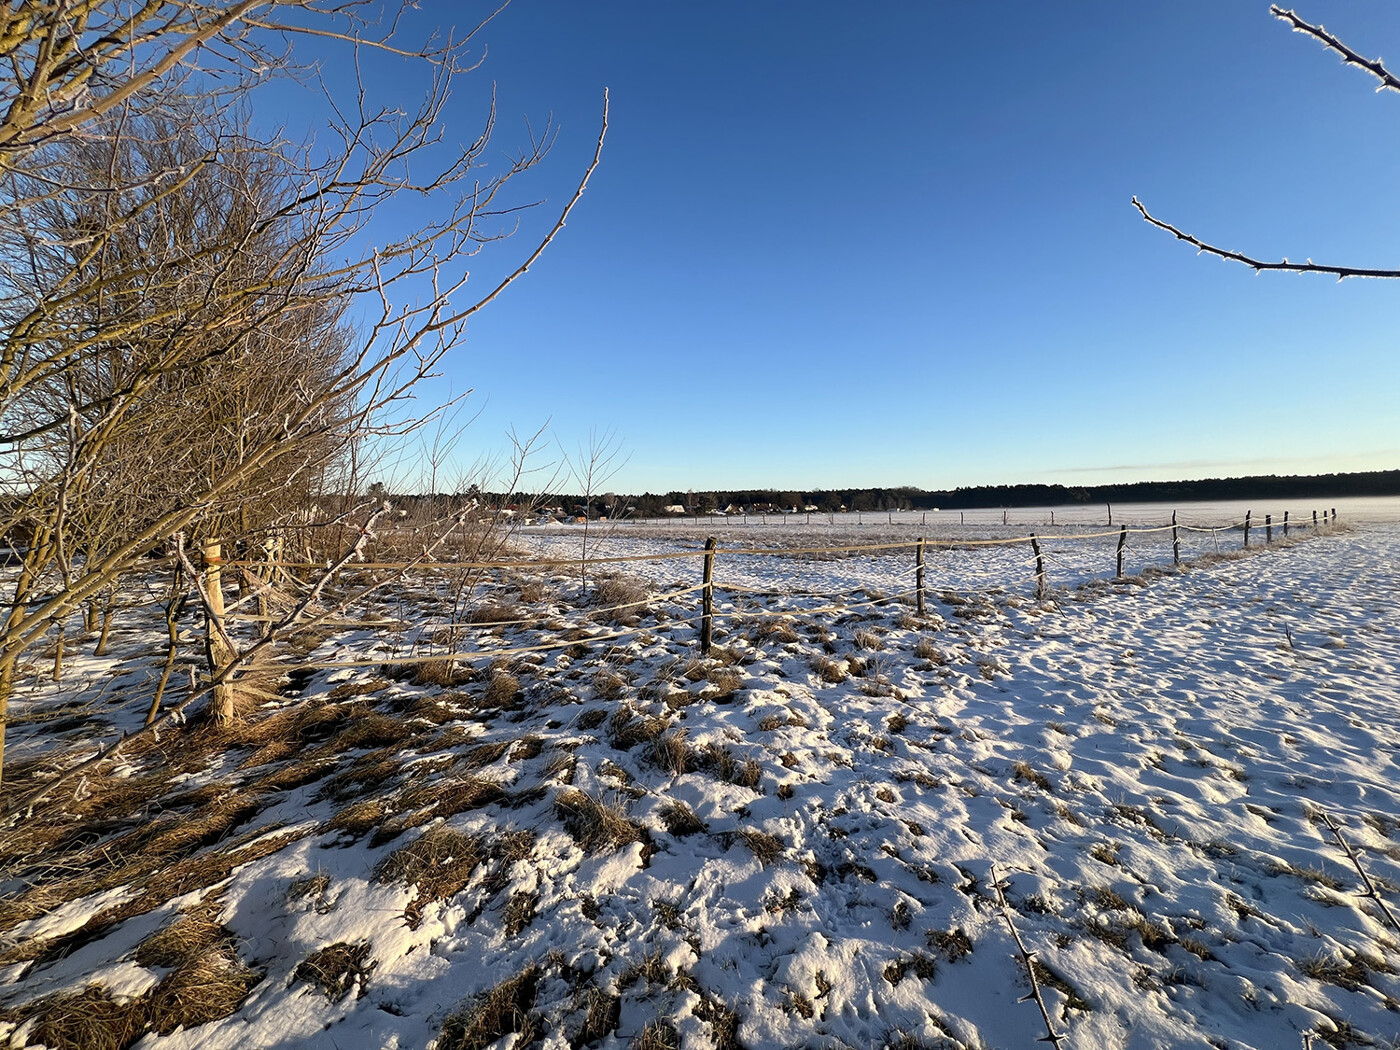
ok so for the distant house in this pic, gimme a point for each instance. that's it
(674, 508)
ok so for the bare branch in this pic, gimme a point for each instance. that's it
(1260, 265)
(1374, 66)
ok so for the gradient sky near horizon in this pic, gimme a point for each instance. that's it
(863, 245)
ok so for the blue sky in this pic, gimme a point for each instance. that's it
(880, 244)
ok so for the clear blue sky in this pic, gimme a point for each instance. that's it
(879, 244)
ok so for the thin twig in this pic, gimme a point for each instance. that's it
(1027, 960)
(1260, 265)
(1374, 66)
(1370, 890)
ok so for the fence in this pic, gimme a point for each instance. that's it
(1034, 551)
(224, 658)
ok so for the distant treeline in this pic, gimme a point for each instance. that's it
(1266, 487)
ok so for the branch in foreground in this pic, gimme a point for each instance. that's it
(1260, 265)
(1374, 66)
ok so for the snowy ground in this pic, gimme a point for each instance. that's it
(787, 845)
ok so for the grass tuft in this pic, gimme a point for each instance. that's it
(337, 968)
(504, 1010)
(439, 862)
(595, 824)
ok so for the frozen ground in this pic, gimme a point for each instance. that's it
(787, 845)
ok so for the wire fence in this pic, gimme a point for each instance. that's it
(908, 574)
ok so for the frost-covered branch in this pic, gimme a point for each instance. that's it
(1260, 265)
(1374, 66)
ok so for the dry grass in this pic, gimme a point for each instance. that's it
(1023, 773)
(198, 929)
(868, 639)
(596, 824)
(504, 1010)
(206, 982)
(672, 752)
(627, 729)
(602, 1014)
(443, 672)
(609, 684)
(86, 1020)
(337, 968)
(776, 629)
(767, 848)
(681, 820)
(613, 591)
(726, 680)
(487, 615)
(657, 1035)
(502, 690)
(828, 670)
(519, 912)
(726, 766)
(439, 863)
(924, 649)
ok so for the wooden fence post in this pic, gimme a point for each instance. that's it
(1122, 542)
(1039, 569)
(1110, 513)
(1246, 526)
(1314, 521)
(1285, 524)
(1176, 542)
(216, 650)
(707, 597)
(1268, 528)
(1334, 515)
(919, 576)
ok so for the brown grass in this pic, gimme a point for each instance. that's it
(602, 1014)
(86, 1020)
(519, 912)
(439, 863)
(595, 824)
(680, 820)
(504, 1010)
(829, 670)
(726, 680)
(767, 848)
(657, 1035)
(672, 752)
(486, 615)
(627, 729)
(726, 766)
(337, 968)
(609, 684)
(502, 690)
(197, 929)
(612, 591)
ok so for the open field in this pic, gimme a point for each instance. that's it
(601, 839)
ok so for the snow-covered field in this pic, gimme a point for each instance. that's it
(790, 844)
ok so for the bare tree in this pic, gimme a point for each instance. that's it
(170, 281)
(591, 467)
(1388, 81)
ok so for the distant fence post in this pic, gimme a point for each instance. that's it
(1314, 521)
(1039, 568)
(1334, 515)
(1247, 515)
(1285, 524)
(1176, 542)
(216, 649)
(1268, 528)
(1122, 542)
(919, 576)
(707, 596)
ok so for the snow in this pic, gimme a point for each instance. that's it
(1144, 762)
